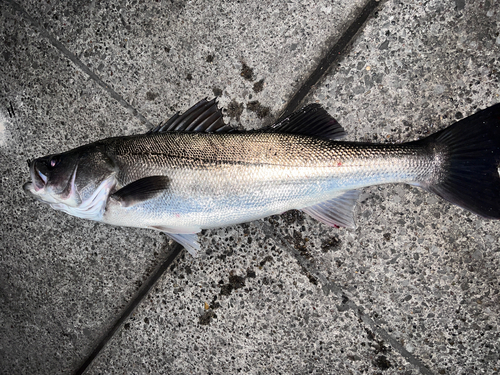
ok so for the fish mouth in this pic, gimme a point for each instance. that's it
(38, 179)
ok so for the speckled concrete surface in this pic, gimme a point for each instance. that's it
(414, 289)
(426, 271)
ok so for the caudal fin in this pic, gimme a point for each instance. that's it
(470, 171)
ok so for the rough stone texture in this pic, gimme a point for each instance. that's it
(164, 56)
(414, 289)
(424, 270)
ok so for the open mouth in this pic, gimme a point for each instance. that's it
(39, 179)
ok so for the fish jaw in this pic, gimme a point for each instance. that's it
(43, 191)
(38, 180)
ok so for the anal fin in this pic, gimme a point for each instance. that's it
(188, 240)
(336, 212)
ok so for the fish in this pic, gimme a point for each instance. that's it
(195, 172)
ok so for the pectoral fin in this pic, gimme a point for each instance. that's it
(338, 211)
(141, 190)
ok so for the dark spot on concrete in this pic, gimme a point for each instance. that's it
(459, 115)
(236, 281)
(250, 273)
(384, 45)
(380, 347)
(246, 72)
(189, 77)
(332, 243)
(387, 236)
(217, 91)
(188, 270)
(293, 216)
(226, 289)
(313, 280)
(460, 4)
(146, 320)
(258, 108)
(210, 58)
(207, 317)
(167, 49)
(6, 55)
(300, 244)
(234, 110)
(382, 362)
(258, 86)
(269, 258)
(369, 334)
(214, 304)
(151, 95)
(126, 326)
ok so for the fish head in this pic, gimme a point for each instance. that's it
(77, 182)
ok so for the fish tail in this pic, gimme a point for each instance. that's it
(468, 153)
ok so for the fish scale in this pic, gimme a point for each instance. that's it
(193, 172)
(233, 178)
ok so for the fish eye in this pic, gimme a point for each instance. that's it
(54, 160)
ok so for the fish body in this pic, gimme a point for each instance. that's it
(226, 179)
(195, 173)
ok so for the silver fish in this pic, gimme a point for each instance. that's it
(194, 172)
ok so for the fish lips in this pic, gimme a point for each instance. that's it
(38, 179)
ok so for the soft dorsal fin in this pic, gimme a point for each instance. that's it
(141, 190)
(203, 117)
(311, 120)
(338, 211)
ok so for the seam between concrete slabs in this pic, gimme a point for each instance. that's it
(335, 52)
(75, 60)
(328, 286)
(136, 299)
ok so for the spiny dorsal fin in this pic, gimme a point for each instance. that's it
(311, 120)
(338, 211)
(203, 117)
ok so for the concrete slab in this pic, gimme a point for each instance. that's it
(414, 289)
(247, 307)
(65, 280)
(424, 270)
(62, 283)
(163, 57)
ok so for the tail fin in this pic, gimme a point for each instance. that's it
(470, 177)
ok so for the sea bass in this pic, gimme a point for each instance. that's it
(194, 172)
